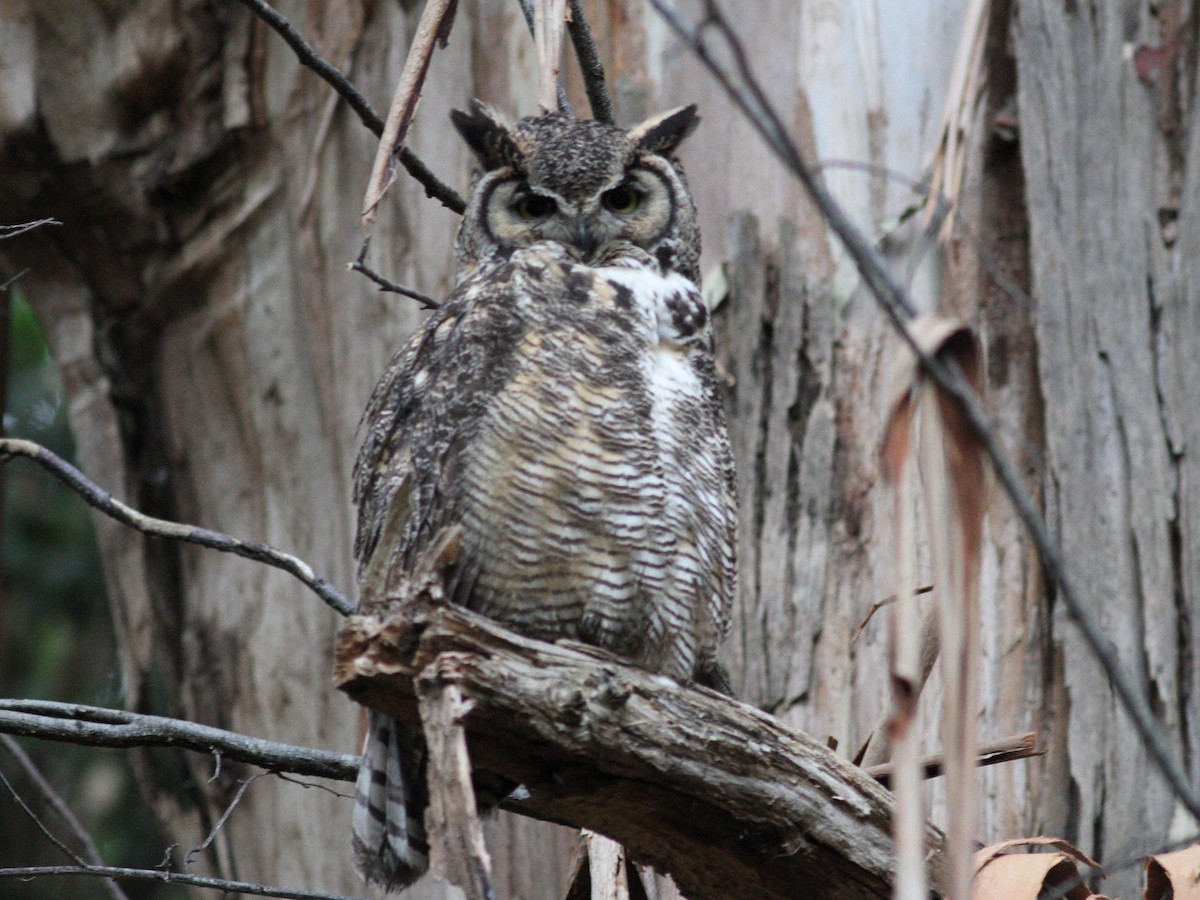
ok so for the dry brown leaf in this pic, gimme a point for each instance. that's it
(1174, 875)
(434, 28)
(1002, 875)
(953, 485)
(952, 475)
(987, 854)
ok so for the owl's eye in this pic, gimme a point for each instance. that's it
(623, 199)
(532, 207)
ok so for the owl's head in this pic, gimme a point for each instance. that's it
(605, 194)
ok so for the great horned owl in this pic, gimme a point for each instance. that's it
(561, 410)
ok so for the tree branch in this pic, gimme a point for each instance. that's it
(744, 89)
(216, 884)
(100, 499)
(723, 797)
(12, 231)
(308, 56)
(56, 803)
(1020, 746)
(98, 727)
(594, 82)
(39, 824)
(385, 284)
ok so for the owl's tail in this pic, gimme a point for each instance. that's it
(390, 845)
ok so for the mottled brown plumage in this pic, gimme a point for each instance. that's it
(561, 410)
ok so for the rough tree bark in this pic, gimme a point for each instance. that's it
(723, 797)
(217, 354)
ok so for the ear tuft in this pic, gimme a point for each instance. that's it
(661, 134)
(489, 135)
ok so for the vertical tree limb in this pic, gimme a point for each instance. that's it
(457, 852)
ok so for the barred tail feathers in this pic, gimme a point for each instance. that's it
(390, 845)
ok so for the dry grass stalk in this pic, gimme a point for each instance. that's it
(966, 79)
(905, 654)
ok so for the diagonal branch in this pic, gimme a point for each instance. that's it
(98, 727)
(56, 803)
(39, 824)
(308, 56)
(12, 231)
(744, 89)
(386, 284)
(100, 499)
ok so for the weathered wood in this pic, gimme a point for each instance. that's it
(1109, 146)
(725, 798)
(457, 852)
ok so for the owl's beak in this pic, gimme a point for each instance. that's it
(583, 237)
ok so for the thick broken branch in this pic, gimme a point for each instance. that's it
(723, 797)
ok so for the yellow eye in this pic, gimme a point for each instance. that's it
(531, 207)
(622, 200)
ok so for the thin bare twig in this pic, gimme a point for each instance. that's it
(360, 265)
(744, 90)
(99, 727)
(1020, 746)
(594, 82)
(880, 604)
(312, 785)
(11, 281)
(100, 499)
(56, 803)
(216, 884)
(308, 56)
(12, 231)
(191, 855)
(41, 826)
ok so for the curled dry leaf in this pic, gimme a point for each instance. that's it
(1025, 876)
(434, 28)
(951, 466)
(1174, 876)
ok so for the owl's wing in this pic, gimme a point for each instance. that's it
(417, 423)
